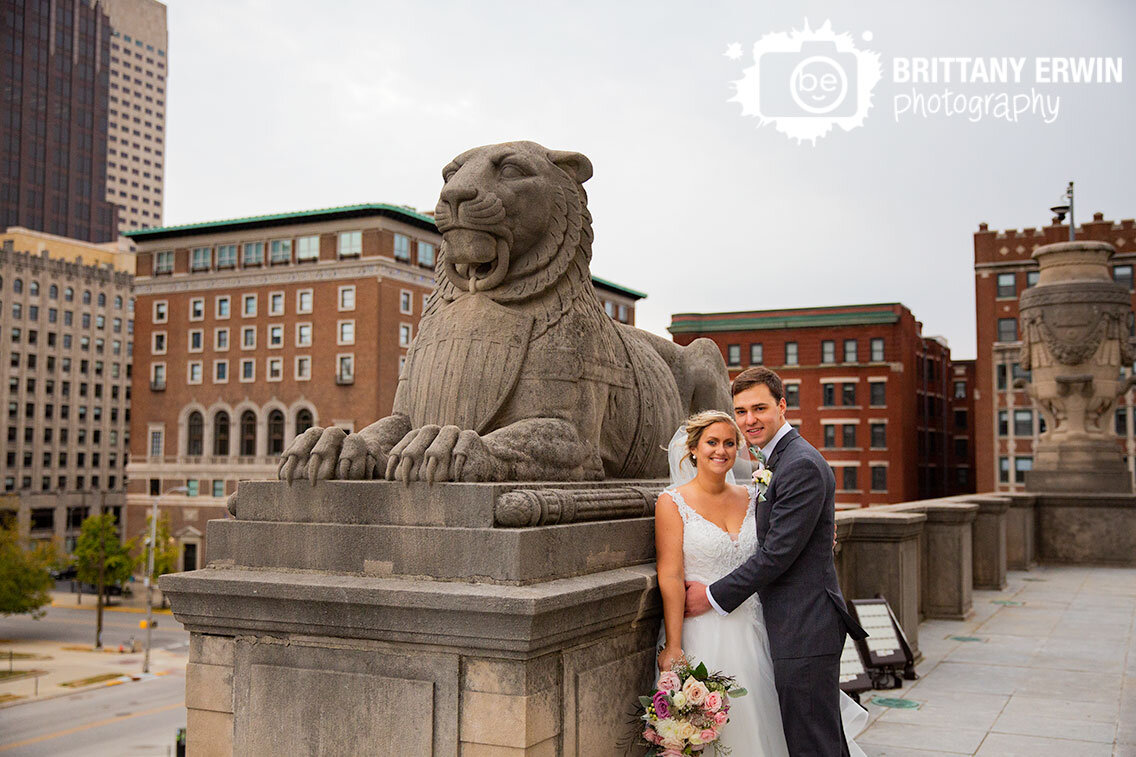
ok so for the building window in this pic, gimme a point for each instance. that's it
(196, 340)
(849, 478)
(346, 332)
(157, 378)
(248, 370)
(193, 372)
(218, 487)
(220, 371)
(164, 262)
(197, 309)
(248, 305)
(830, 435)
(303, 368)
(404, 335)
(347, 298)
(350, 243)
(961, 447)
(346, 368)
(307, 248)
(248, 434)
(793, 396)
(303, 335)
(734, 355)
(960, 390)
(1023, 423)
(877, 347)
(756, 354)
(1122, 422)
(1032, 277)
(879, 435)
(201, 258)
(1003, 423)
(275, 432)
(275, 369)
(155, 442)
(1000, 375)
(248, 337)
(158, 346)
(848, 435)
(851, 350)
(402, 248)
(252, 253)
(1122, 274)
(304, 301)
(161, 311)
(1021, 465)
(280, 251)
(879, 478)
(275, 336)
(221, 339)
(1007, 329)
(222, 306)
(226, 256)
(960, 419)
(828, 351)
(426, 254)
(1004, 470)
(304, 421)
(1007, 285)
(828, 394)
(962, 477)
(848, 394)
(221, 434)
(406, 302)
(276, 303)
(195, 434)
(790, 353)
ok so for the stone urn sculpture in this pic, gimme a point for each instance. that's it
(1075, 338)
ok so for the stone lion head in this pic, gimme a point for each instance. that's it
(513, 217)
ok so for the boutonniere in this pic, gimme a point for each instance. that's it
(761, 478)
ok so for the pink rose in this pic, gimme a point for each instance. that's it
(713, 701)
(669, 681)
(672, 753)
(696, 691)
(708, 735)
(720, 717)
(651, 736)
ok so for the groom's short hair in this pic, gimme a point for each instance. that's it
(758, 375)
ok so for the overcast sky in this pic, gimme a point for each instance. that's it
(290, 105)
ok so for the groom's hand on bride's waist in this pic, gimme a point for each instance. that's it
(696, 599)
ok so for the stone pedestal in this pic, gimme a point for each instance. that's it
(989, 541)
(947, 579)
(424, 607)
(1087, 528)
(881, 556)
(1021, 532)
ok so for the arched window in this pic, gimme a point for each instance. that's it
(33, 289)
(248, 433)
(86, 296)
(69, 294)
(118, 302)
(221, 434)
(53, 292)
(195, 438)
(102, 300)
(303, 421)
(275, 432)
(18, 286)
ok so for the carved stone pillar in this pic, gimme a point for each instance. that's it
(1074, 331)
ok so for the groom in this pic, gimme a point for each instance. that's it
(792, 571)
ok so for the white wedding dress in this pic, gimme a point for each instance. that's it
(738, 644)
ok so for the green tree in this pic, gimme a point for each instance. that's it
(166, 553)
(102, 559)
(25, 578)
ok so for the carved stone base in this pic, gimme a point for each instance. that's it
(1079, 465)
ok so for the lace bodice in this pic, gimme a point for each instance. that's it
(708, 552)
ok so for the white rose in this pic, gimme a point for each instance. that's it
(679, 700)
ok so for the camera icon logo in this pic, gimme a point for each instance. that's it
(808, 81)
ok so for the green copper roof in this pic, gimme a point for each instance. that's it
(686, 323)
(618, 288)
(375, 208)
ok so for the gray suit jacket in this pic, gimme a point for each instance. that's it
(793, 570)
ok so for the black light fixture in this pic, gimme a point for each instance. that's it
(1062, 209)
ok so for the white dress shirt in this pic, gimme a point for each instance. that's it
(766, 451)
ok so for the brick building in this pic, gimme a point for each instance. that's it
(1006, 424)
(254, 329)
(54, 84)
(65, 344)
(862, 384)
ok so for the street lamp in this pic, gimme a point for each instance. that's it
(150, 571)
(1061, 209)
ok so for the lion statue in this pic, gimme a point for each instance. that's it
(517, 373)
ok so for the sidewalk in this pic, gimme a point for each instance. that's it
(134, 603)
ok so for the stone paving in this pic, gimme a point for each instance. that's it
(1052, 676)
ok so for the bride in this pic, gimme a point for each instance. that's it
(704, 529)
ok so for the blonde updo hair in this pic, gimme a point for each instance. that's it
(699, 422)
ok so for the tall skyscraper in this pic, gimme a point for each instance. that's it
(136, 149)
(54, 81)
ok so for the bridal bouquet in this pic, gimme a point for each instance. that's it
(687, 711)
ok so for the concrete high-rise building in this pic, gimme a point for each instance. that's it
(136, 135)
(54, 82)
